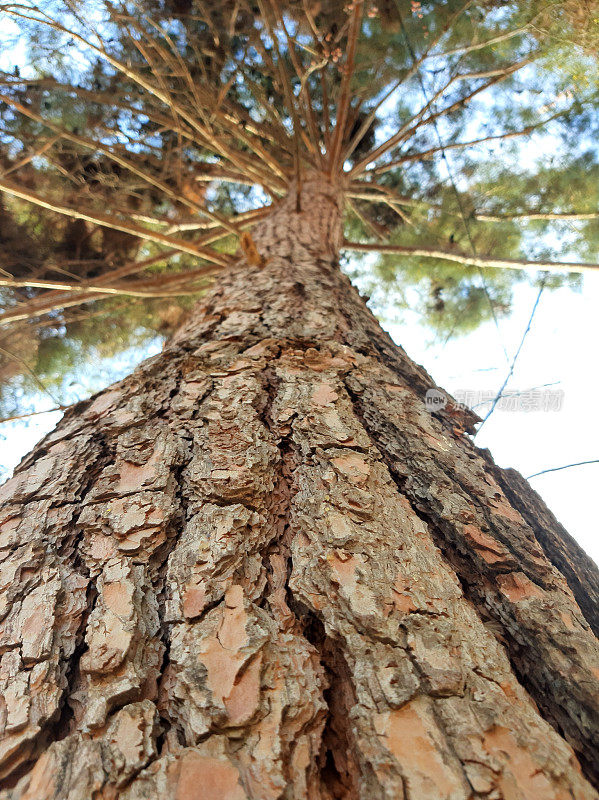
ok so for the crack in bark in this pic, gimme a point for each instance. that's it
(161, 561)
(63, 725)
(67, 552)
(338, 767)
(338, 763)
(278, 585)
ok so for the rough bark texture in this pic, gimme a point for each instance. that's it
(259, 568)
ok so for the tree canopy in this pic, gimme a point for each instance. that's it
(139, 140)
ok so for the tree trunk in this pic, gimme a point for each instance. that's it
(260, 568)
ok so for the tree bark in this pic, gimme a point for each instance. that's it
(259, 568)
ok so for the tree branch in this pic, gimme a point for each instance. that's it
(110, 222)
(118, 159)
(378, 193)
(526, 215)
(345, 94)
(410, 73)
(54, 300)
(17, 417)
(424, 154)
(28, 369)
(210, 139)
(304, 88)
(475, 261)
(130, 290)
(416, 121)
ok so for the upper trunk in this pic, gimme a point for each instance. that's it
(260, 568)
(292, 289)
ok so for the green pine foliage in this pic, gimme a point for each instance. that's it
(137, 131)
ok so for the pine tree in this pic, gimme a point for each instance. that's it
(81, 92)
(261, 566)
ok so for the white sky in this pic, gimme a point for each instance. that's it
(561, 346)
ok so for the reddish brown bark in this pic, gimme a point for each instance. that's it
(260, 568)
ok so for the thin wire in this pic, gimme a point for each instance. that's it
(566, 466)
(499, 394)
(456, 191)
